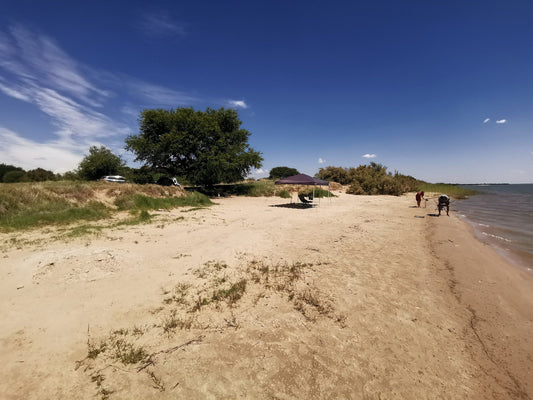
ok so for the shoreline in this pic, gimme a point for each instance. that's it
(497, 295)
(514, 256)
(385, 304)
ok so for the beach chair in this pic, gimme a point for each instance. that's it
(302, 198)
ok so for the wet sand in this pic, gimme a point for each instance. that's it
(359, 298)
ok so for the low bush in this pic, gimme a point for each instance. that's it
(370, 179)
(142, 202)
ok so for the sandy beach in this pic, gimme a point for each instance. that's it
(363, 297)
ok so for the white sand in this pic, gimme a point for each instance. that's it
(390, 306)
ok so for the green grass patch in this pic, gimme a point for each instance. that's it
(284, 194)
(319, 192)
(142, 202)
(34, 205)
(454, 191)
(55, 212)
(83, 230)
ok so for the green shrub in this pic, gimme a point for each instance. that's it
(284, 194)
(141, 202)
(370, 179)
(319, 192)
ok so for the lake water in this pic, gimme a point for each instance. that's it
(502, 216)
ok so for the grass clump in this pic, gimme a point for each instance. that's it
(172, 322)
(231, 294)
(51, 212)
(284, 194)
(454, 191)
(118, 347)
(319, 192)
(142, 202)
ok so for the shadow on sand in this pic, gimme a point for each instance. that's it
(293, 205)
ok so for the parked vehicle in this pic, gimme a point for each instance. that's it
(113, 178)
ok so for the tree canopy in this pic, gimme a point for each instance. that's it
(4, 168)
(282, 172)
(99, 162)
(15, 176)
(41, 175)
(205, 147)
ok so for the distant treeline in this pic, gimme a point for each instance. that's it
(12, 174)
(370, 179)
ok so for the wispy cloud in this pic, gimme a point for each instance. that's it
(501, 121)
(321, 161)
(40, 73)
(369, 156)
(159, 95)
(237, 103)
(35, 58)
(161, 25)
(486, 120)
(16, 150)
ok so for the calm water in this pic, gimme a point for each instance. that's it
(502, 216)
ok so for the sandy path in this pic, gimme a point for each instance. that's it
(380, 310)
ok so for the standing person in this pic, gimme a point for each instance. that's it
(419, 197)
(444, 202)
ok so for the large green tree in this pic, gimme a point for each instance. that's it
(205, 147)
(99, 162)
(282, 172)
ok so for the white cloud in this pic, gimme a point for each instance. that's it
(258, 173)
(28, 154)
(237, 103)
(159, 24)
(501, 121)
(321, 161)
(369, 156)
(15, 92)
(486, 120)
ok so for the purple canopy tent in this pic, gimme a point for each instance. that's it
(303, 179)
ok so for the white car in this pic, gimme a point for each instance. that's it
(113, 178)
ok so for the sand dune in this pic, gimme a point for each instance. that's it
(359, 298)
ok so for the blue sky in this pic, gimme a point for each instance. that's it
(442, 91)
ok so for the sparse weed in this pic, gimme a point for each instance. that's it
(126, 352)
(232, 294)
(93, 350)
(171, 322)
(157, 381)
